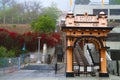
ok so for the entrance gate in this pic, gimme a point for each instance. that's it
(86, 28)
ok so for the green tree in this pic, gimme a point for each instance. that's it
(13, 12)
(32, 10)
(52, 11)
(47, 21)
(44, 24)
(4, 5)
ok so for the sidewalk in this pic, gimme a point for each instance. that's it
(41, 75)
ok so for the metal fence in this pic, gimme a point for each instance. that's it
(8, 65)
(114, 67)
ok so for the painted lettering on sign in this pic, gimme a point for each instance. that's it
(86, 18)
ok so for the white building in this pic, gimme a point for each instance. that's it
(113, 11)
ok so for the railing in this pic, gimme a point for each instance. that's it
(8, 65)
(90, 54)
(94, 56)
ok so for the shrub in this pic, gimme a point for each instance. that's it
(11, 53)
(3, 52)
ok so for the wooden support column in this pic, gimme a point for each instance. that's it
(69, 69)
(103, 63)
(69, 61)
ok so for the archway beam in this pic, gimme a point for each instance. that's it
(91, 39)
(87, 31)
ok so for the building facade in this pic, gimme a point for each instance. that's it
(112, 11)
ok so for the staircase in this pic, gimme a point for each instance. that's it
(77, 57)
(84, 59)
(81, 63)
(80, 57)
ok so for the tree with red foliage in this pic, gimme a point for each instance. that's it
(12, 40)
(31, 40)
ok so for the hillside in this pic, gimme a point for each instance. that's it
(19, 28)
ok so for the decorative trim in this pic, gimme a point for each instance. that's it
(88, 37)
(84, 28)
(84, 15)
(85, 22)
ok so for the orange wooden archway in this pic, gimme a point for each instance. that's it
(90, 29)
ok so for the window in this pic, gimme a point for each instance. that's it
(114, 11)
(117, 20)
(97, 11)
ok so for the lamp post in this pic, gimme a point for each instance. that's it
(38, 60)
(23, 51)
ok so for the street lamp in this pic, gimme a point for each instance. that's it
(38, 60)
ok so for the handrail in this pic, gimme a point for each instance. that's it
(90, 54)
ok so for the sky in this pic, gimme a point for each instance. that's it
(64, 5)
